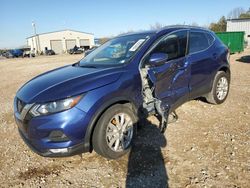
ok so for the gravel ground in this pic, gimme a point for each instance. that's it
(208, 146)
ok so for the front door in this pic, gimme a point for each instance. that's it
(171, 80)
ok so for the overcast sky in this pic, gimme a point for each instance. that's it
(103, 18)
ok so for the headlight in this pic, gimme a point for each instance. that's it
(53, 107)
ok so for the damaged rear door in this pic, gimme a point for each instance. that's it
(170, 79)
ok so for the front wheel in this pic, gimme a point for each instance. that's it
(115, 131)
(220, 88)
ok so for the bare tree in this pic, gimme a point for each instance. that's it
(245, 15)
(220, 26)
(126, 32)
(194, 24)
(104, 39)
(205, 26)
(235, 13)
(156, 26)
(248, 11)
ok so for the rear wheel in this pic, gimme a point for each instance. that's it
(115, 131)
(220, 88)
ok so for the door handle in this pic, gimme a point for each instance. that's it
(215, 55)
(183, 66)
(186, 64)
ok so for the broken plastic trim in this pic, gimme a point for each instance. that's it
(174, 117)
(151, 104)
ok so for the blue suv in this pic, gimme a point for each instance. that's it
(96, 103)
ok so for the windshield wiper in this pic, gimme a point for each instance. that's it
(84, 66)
(77, 64)
(87, 66)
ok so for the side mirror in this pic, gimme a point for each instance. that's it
(157, 59)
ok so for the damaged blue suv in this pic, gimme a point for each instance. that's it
(95, 104)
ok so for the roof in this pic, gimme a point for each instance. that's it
(171, 27)
(60, 31)
(137, 33)
(177, 27)
(239, 19)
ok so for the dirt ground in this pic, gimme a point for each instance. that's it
(208, 146)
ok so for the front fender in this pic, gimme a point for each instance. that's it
(95, 102)
(99, 112)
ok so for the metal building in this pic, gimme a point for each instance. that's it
(60, 41)
(241, 24)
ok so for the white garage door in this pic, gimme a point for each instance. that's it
(84, 42)
(70, 44)
(56, 45)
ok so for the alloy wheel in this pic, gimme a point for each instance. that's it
(222, 88)
(119, 132)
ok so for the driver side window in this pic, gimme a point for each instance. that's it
(174, 45)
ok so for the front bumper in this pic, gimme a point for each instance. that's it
(36, 133)
(73, 150)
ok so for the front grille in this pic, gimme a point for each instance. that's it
(20, 105)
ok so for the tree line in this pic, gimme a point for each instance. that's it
(219, 26)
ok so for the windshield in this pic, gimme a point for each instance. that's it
(116, 51)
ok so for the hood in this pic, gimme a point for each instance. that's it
(65, 82)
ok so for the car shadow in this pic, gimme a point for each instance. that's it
(146, 166)
(244, 59)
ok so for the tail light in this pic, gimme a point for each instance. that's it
(228, 55)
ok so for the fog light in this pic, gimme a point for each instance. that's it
(58, 136)
(61, 150)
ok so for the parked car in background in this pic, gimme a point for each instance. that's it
(96, 103)
(1, 53)
(7, 54)
(50, 52)
(13, 53)
(17, 52)
(28, 53)
(76, 50)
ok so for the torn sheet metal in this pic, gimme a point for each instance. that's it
(150, 103)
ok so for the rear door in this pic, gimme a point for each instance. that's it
(202, 59)
(171, 80)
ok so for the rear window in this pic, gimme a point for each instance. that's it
(210, 38)
(199, 41)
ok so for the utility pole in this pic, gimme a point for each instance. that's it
(35, 34)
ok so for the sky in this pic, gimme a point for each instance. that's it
(104, 17)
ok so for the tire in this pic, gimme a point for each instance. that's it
(108, 129)
(221, 84)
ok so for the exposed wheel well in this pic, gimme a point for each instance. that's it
(226, 70)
